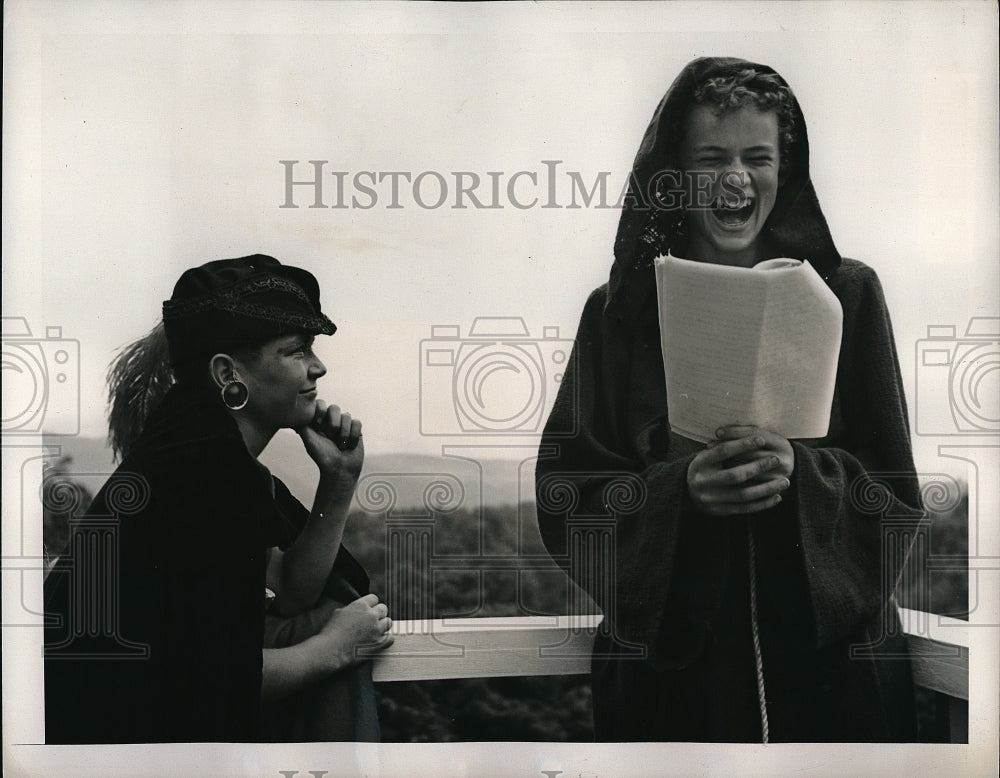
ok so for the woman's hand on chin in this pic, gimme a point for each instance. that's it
(333, 441)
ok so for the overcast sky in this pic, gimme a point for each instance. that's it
(153, 141)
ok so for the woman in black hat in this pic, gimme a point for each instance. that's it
(198, 600)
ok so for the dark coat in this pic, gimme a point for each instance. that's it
(676, 660)
(156, 612)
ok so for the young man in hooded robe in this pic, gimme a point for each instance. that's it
(748, 595)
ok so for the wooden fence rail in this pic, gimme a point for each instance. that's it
(560, 645)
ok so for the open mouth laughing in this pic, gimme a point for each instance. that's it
(734, 215)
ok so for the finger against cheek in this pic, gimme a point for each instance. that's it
(353, 440)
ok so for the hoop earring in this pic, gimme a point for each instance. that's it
(235, 394)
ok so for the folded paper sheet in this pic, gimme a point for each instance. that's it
(747, 346)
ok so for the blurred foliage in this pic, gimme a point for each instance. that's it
(449, 585)
(62, 498)
(936, 576)
(540, 708)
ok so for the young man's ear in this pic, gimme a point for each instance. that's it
(222, 368)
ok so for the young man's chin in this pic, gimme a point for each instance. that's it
(732, 244)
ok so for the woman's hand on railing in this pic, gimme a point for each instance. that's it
(351, 634)
(355, 631)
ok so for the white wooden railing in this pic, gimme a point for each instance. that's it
(487, 647)
(939, 651)
(561, 645)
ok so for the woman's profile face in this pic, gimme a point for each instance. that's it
(282, 380)
(737, 156)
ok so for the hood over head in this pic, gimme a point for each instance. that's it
(647, 228)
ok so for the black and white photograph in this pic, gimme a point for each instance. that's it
(502, 389)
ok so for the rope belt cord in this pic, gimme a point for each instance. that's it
(758, 659)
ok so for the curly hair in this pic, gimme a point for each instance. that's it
(764, 91)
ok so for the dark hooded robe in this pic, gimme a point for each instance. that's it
(675, 658)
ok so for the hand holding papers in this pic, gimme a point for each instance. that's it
(747, 346)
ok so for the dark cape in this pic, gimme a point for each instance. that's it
(675, 658)
(155, 614)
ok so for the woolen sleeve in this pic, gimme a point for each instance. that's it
(592, 478)
(856, 495)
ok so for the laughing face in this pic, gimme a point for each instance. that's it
(737, 153)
